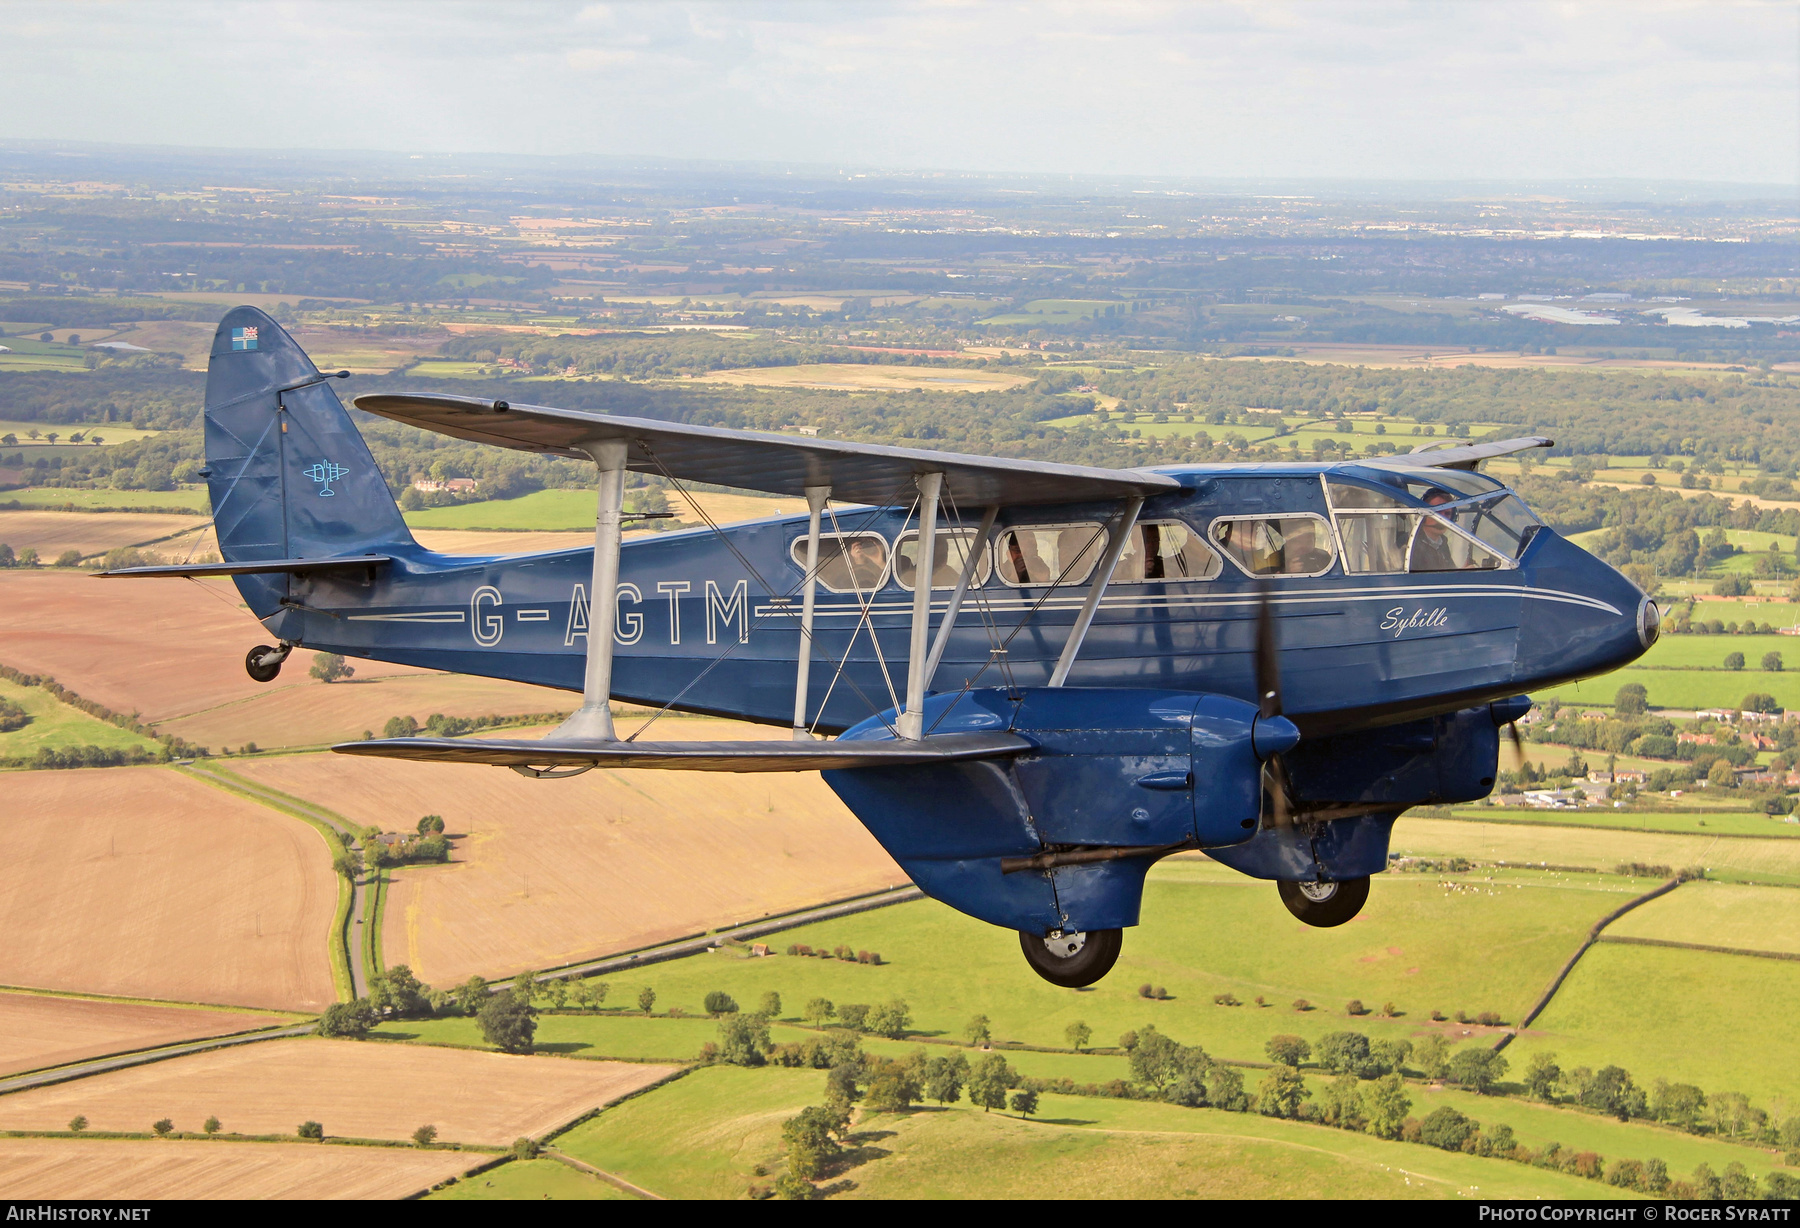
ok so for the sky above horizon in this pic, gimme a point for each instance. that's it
(1358, 89)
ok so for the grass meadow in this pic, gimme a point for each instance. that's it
(534, 1179)
(193, 498)
(1724, 1022)
(1696, 823)
(57, 726)
(704, 1136)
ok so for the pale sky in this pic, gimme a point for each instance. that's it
(1371, 89)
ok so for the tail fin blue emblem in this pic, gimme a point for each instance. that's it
(243, 338)
(325, 473)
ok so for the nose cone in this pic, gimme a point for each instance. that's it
(1581, 617)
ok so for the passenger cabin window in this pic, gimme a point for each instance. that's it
(950, 555)
(1165, 550)
(1276, 545)
(1049, 553)
(848, 562)
(1376, 528)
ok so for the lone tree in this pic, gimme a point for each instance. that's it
(818, 1010)
(425, 1136)
(647, 999)
(1025, 1103)
(989, 1082)
(330, 666)
(976, 1030)
(1078, 1034)
(1772, 662)
(770, 1007)
(1734, 660)
(77, 1124)
(1632, 700)
(163, 1128)
(211, 1125)
(508, 1023)
(310, 1129)
(718, 1002)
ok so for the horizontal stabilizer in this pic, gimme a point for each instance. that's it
(770, 756)
(256, 567)
(1465, 456)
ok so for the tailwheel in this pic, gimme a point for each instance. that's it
(1325, 904)
(263, 662)
(1072, 959)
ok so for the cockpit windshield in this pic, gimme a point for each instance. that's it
(1393, 520)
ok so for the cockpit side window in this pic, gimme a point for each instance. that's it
(1402, 527)
(1276, 545)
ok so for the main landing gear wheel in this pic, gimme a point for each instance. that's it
(264, 661)
(1072, 960)
(1325, 904)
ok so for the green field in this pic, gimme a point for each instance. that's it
(1724, 1022)
(1536, 1124)
(1045, 311)
(110, 432)
(1206, 931)
(1697, 823)
(192, 498)
(544, 510)
(1773, 861)
(1720, 915)
(1691, 689)
(444, 368)
(57, 726)
(29, 354)
(705, 1135)
(534, 1179)
(1709, 651)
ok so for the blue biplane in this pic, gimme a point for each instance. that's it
(1029, 681)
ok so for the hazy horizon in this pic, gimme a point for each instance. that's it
(1278, 92)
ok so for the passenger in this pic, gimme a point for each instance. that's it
(1301, 555)
(868, 561)
(1022, 558)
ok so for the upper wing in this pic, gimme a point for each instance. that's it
(1466, 457)
(751, 460)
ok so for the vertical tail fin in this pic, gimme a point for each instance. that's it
(289, 473)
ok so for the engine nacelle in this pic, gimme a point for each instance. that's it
(1111, 769)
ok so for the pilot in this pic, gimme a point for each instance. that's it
(1431, 548)
(868, 561)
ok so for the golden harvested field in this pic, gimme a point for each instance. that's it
(856, 377)
(1589, 846)
(550, 872)
(729, 509)
(164, 648)
(140, 882)
(38, 1031)
(32, 1168)
(493, 541)
(51, 533)
(307, 712)
(355, 1089)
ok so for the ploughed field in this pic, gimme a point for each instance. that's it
(143, 882)
(547, 873)
(133, 1171)
(38, 1031)
(353, 1089)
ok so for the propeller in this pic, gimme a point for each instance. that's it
(1506, 714)
(1268, 702)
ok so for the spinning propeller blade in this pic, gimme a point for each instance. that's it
(1268, 700)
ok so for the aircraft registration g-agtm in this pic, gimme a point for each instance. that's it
(1029, 681)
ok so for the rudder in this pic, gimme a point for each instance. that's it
(289, 474)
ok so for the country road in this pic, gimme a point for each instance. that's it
(359, 890)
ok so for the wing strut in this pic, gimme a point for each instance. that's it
(912, 721)
(815, 504)
(971, 565)
(593, 720)
(1097, 589)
